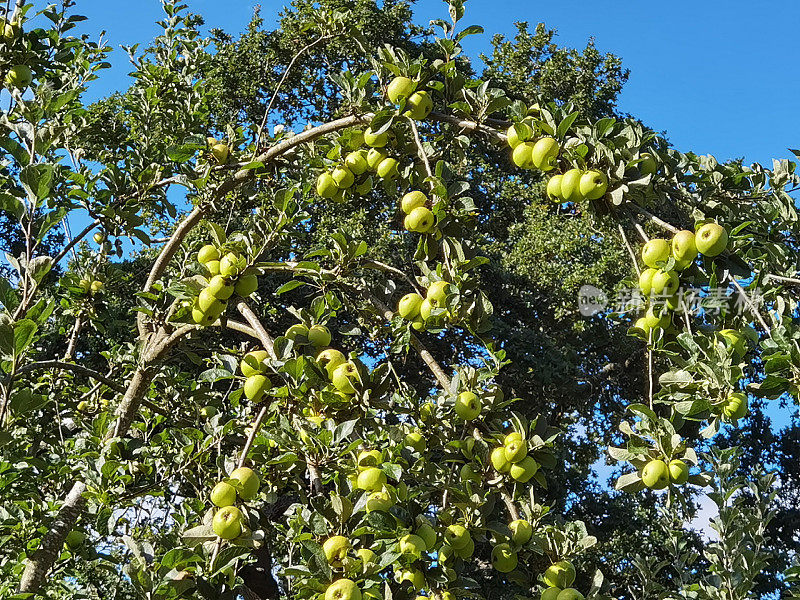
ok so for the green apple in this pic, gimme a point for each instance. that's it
(560, 574)
(523, 155)
(416, 441)
(521, 531)
(256, 386)
(735, 340)
(569, 594)
(99, 237)
(335, 549)
(208, 411)
(326, 185)
(369, 458)
(656, 321)
(655, 252)
(428, 535)
(344, 376)
(19, 77)
(253, 363)
(212, 267)
(220, 151)
(356, 162)
(446, 554)
(227, 523)
(375, 156)
(419, 220)
(297, 333)
(514, 436)
(711, 239)
(419, 106)
(499, 460)
(248, 482)
(366, 556)
(646, 280)
(376, 140)
(412, 200)
(371, 479)
(550, 593)
(387, 169)
(75, 539)
(219, 288)
(678, 471)
(554, 188)
(413, 576)
(208, 302)
(665, 283)
(515, 450)
(319, 335)
(343, 177)
(456, 536)
(329, 359)
(412, 545)
(736, 406)
(524, 469)
(545, 153)
(593, 185)
(641, 323)
(504, 559)
(467, 551)
(246, 285)
(683, 247)
(437, 293)
(343, 589)
(230, 265)
(468, 406)
(518, 133)
(399, 88)
(10, 29)
(223, 494)
(381, 500)
(655, 474)
(648, 164)
(571, 185)
(97, 286)
(408, 307)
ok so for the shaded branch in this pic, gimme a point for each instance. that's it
(66, 366)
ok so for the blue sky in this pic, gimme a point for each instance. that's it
(717, 76)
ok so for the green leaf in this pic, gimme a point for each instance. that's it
(24, 332)
(37, 179)
(288, 287)
(12, 204)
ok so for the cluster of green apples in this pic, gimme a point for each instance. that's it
(242, 484)
(657, 474)
(558, 577)
(419, 311)
(254, 367)
(91, 286)
(512, 458)
(528, 152)
(228, 274)
(733, 407)
(418, 103)
(576, 185)
(419, 218)
(219, 150)
(657, 280)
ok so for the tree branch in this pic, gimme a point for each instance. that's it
(663, 224)
(255, 323)
(66, 366)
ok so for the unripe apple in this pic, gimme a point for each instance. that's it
(428, 536)
(83, 406)
(399, 88)
(514, 436)
(412, 545)
(376, 156)
(646, 281)
(256, 386)
(297, 333)
(381, 500)
(499, 460)
(456, 536)
(569, 594)
(248, 482)
(319, 336)
(366, 556)
(446, 554)
(376, 140)
(419, 106)
(408, 307)
(223, 494)
(246, 285)
(371, 479)
(356, 162)
(419, 220)
(97, 286)
(416, 441)
(418, 324)
(212, 267)
(515, 451)
(524, 469)
(75, 539)
(571, 185)
(208, 411)
(656, 321)
(326, 185)
(343, 177)
(207, 253)
(437, 293)
(412, 200)
(736, 406)
(655, 474)
(218, 287)
(207, 302)
(467, 551)
(227, 523)
(678, 471)
(344, 376)
(504, 559)
(329, 359)
(387, 169)
(735, 340)
(521, 531)
(518, 133)
(343, 589)
(641, 323)
(550, 593)
(593, 185)
(19, 77)
(10, 29)
(545, 153)
(523, 155)
(665, 283)
(253, 363)
(230, 265)
(683, 247)
(335, 549)
(554, 188)
(655, 252)
(413, 576)
(468, 406)
(648, 164)
(99, 237)
(711, 239)
(560, 574)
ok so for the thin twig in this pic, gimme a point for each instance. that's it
(782, 279)
(65, 366)
(421, 151)
(644, 212)
(250, 438)
(630, 249)
(749, 302)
